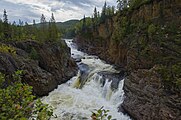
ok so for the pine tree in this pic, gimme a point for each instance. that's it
(84, 24)
(53, 31)
(1, 29)
(42, 35)
(34, 22)
(103, 14)
(42, 19)
(122, 4)
(95, 13)
(95, 19)
(34, 31)
(5, 17)
(52, 19)
(14, 23)
(21, 23)
(6, 30)
(125, 3)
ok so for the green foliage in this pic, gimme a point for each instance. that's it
(43, 111)
(151, 29)
(17, 101)
(101, 114)
(171, 76)
(121, 30)
(7, 49)
(134, 4)
(34, 54)
(43, 33)
(122, 4)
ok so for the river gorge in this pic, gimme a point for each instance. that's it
(96, 85)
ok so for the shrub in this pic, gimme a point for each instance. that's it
(34, 54)
(134, 4)
(171, 76)
(151, 29)
(17, 101)
(101, 114)
(7, 49)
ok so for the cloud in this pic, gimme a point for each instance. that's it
(27, 10)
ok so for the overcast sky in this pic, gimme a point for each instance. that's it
(63, 10)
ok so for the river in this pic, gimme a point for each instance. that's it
(87, 91)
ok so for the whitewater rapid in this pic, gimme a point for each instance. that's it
(72, 102)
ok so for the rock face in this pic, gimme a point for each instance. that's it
(114, 77)
(140, 41)
(147, 100)
(45, 65)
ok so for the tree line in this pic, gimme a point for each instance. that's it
(43, 32)
(97, 18)
(107, 12)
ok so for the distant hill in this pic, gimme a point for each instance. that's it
(63, 25)
(67, 24)
(66, 28)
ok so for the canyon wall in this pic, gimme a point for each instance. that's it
(45, 66)
(145, 42)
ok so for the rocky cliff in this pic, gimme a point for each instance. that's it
(45, 66)
(145, 41)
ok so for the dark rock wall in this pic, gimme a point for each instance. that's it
(50, 65)
(139, 54)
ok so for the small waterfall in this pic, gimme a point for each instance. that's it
(76, 99)
(77, 82)
(107, 92)
(118, 96)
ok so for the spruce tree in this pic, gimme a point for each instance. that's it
(34, 22)
(95, 19)
(43, 29)
(53, 31)
(6, 30)
(42, 19)
(52, 19)
(1, 29)
(84, 24)
(103, 14)
(122, 4)
(5, 17)
(95, 14)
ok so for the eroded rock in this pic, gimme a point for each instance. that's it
(51, 66)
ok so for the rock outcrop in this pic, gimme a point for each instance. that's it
(147, 100)
(140, 41)
(45, 66)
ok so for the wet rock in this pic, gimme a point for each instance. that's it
(77, 59)
(114, 77)
(84, 68)
(84, 73)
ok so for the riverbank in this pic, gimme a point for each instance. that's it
(45, 65)
(145, 43)
(96, 85)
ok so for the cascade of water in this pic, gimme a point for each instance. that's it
(107, 92)
(71, 103)
(77, 82)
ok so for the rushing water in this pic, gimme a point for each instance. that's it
(74, 101)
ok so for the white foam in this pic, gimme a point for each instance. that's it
(70, 103)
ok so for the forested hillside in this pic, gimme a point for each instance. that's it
(144, 39)
(33, 62)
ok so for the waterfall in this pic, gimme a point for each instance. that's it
(72, 102)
